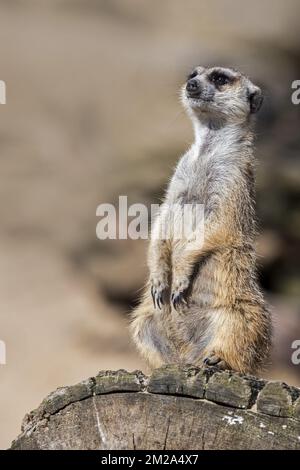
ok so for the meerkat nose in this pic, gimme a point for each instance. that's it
(193, 87)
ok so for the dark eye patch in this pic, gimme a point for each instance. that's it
(220, 78)
(193, 74)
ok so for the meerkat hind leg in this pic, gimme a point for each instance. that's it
(150, 331)
(237, 339)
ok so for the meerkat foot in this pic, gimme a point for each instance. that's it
(159, 291)
(215, 360)
(179, 293)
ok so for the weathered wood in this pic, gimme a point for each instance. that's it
(174, 408)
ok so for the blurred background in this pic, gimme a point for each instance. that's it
(92, 113)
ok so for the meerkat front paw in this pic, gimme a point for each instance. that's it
(159, 291)
(179, 292)
(217, 361)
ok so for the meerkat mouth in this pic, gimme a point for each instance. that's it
(200, 102)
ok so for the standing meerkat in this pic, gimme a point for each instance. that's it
(202, 303)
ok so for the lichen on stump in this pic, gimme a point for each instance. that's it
(175, 408)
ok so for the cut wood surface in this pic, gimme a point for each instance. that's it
(174, 408)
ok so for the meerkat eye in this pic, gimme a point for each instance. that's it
(192, 75)
(219, 79)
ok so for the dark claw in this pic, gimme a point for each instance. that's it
(153, 296)
(158, 300)
(177, 299)
(157, 297)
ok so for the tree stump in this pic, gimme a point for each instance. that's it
(175, 408)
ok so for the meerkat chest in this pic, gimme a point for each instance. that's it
(198, 177)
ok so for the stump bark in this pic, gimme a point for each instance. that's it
(175, 408)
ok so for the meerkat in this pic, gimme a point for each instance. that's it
(202, 303)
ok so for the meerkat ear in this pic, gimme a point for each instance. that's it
(256, 98)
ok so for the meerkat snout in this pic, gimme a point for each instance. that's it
(193, 88)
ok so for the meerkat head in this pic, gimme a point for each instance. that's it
(221, 95)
